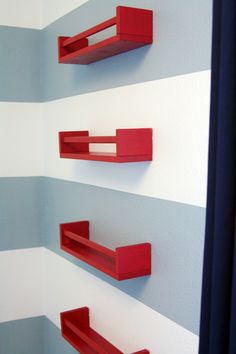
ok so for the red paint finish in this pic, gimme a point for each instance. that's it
(132, 145)
(125, 262)
(75, 328)
(133, 30)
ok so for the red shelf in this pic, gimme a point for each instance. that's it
(124, 263)
(132, 145)
(75, 328)
(133, 30)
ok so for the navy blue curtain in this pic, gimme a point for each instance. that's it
(218, 312)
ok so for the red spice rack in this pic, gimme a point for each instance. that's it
(132, 145)
(124, 263)
(133, 30)
(75, 328)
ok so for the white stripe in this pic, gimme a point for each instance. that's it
(35, 14)
(37, 282)
(20, 139)
(177, 109)
(54, 9)
(123, 320)
(23, 13)
(21, 284)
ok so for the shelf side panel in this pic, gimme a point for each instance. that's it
(134, 142)
(135, 259)
(75, 326)
(81, 228)
(80, 316)
(135, 21)
(72, 147)
(63, 51)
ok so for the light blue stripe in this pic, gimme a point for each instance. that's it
(182, 44)
(175, 230)
(37, 335)
(19, 212)
(20, 66)
(23, 336)
(29, 68)
(35, 206)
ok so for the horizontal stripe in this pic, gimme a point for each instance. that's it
(34, 207)
(54, 9)
(20, 139)
(178, 111)
(182, 44)
(39, 335)
(20, 63)
(133, 326)
(176, 232)
(36, 75)
(21, 285)
(77, 288)
(24, 337)
(20, 213)
(181, 122)
(24, 13)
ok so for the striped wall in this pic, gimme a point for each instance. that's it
(177, 110)
(165, 86)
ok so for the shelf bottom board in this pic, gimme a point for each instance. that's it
(105, 157)
(92, 340)
(104, 49)
(84, 348)
(78, 344)
(104, 264)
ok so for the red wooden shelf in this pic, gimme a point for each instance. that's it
(133, 30)
(75, 328)
(132, 145)
(124, 263)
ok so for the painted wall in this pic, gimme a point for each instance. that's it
(165, 86)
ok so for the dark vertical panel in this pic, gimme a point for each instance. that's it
(218, 315)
